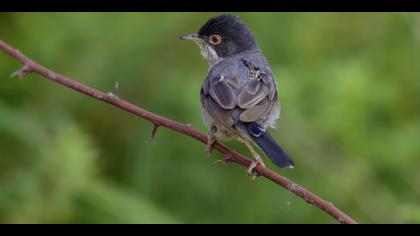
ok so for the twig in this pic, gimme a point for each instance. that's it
(234, 157)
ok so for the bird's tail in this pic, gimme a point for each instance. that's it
(267, 143)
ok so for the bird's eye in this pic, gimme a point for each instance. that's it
(215, 39)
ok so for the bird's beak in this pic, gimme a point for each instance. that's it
(192, 37)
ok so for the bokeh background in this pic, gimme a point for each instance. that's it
(349, 84)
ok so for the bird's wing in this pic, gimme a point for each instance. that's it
(250, 89)
(218, 99)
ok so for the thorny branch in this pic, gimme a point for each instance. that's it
(230, 156)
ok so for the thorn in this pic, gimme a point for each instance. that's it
(155, 127)
(22, 72)
(116, 90)
(225, 160)
(112, 95)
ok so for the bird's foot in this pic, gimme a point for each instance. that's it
(210, 143)
(251, 168)
(209, 148)
(225, 160)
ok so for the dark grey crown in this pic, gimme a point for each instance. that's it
(236, 36)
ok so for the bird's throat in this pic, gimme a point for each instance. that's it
(209, 54)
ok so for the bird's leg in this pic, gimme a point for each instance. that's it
(210, 142)
(211, 138)
(257, 159)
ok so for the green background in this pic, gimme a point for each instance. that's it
(349, 85)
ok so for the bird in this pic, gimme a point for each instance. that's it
(239, 97)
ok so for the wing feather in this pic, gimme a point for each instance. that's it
(240, 95)
(223, 94)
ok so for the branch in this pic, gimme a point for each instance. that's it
(159, 121)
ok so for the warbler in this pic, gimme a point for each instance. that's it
(239, 97)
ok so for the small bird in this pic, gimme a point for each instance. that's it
(239, 95)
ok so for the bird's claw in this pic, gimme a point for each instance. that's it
(251, 168)
(225, 160)
(209, 148)
(210, 143)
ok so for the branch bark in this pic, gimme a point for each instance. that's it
(30, 66)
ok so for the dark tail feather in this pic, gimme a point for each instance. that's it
(268, 145)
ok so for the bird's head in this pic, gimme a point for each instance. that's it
(221, 37)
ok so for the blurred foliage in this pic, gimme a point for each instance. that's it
(349, 85)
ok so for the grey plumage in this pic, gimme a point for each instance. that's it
(239, 95)
(232, 86)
